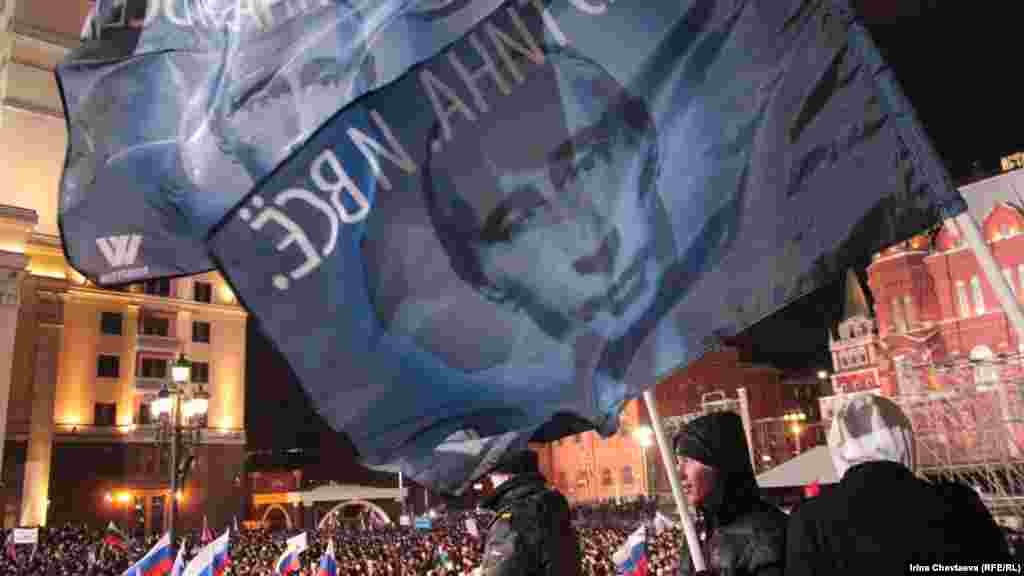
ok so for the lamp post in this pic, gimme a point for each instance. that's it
(644, 436)
(796, 420)
(172, 400)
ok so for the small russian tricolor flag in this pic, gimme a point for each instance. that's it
(631, 558)
(328, 565)
(287, 563)
(212, 560)
(157, 562)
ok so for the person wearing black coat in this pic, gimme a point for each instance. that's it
(532, 532)
(744, 536)
(881, 518)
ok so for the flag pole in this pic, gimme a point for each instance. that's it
(935, 173)
(990, 268)
(693, 543)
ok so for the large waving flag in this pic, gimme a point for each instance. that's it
(529, 228)
(328, 564)
(631, 558)
(212, 559)
(159, 561)
(176, 108)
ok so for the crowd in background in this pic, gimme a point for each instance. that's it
(448, 549)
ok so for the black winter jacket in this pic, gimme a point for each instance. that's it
(881, 518)
(745, 535)
(532, 533)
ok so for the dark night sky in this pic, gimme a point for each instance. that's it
(957, 62)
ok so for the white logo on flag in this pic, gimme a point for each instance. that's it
(120, 251)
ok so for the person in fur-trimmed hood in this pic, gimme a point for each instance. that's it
(881, 518)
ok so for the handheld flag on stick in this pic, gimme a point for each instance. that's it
(157, 562)
(212, 559)
(328, 564)
(115, 538)
(206, 536)
(631, 558)
(12, 549)
(288, 562)
(179, 563)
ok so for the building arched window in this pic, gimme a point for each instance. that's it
(906, 376)
(606, 477)
(986, 373)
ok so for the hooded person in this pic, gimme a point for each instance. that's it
(531, 533)
(743, 535)
(881, 517)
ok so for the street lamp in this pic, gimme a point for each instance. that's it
(644, 436)
(796, 420)
(173, 400)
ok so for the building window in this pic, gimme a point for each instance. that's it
(1008, 276)
(110, 323)
(202, 292)
(986, 373)
(906, 376)
(201, 372)
(898, 320)
(105, 414)
(156, 326)
(581, 478)
(579, 438)
(627, 475)
(153, 368)
(965, 304)
(606, 477)
(201, 332)
(563, 480)
(979, 296)
(161, 287)
(108, 366)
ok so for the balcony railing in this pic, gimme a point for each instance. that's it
(144, 433)
(158, 343)
(149, 385)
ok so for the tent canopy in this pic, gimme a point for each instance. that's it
(813, 465)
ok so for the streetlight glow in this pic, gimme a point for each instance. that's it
(162, 404)
(822, 375)
(181, 370)
(644, 436)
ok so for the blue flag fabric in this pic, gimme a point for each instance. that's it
(519, 234)
(528, 229)
(177, 108)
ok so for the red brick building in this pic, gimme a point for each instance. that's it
(938, 341)
(587, 468)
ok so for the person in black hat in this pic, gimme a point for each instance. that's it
(743, 535)
(531, 533)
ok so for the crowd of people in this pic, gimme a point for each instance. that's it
(447, 549)
(879, 518)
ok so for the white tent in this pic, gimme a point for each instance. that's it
(814, 465)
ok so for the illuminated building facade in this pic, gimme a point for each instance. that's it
(79, 366)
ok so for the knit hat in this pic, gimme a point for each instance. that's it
(518, 462)
(868, 429)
